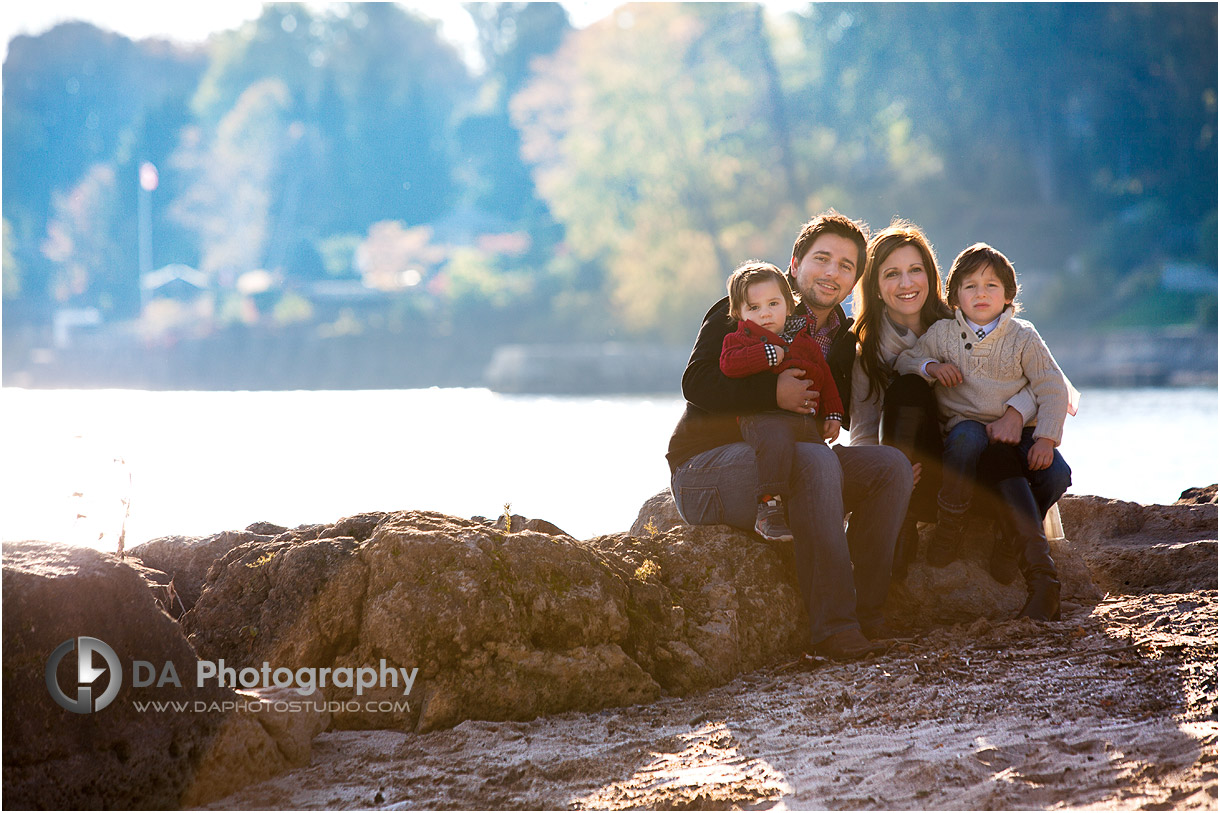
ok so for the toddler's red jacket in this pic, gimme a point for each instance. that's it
(743, 353)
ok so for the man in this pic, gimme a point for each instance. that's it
(843, 577)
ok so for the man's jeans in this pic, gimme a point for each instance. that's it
(843, 577)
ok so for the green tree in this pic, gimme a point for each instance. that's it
(1046, 119)
(76, 97)
(374, 89)
(511, 37)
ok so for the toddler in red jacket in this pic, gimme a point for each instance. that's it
(770, 338)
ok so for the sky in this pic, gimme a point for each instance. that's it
(194, 20)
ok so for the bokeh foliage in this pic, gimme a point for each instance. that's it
(604, 181)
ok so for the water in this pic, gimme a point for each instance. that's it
(195, 463)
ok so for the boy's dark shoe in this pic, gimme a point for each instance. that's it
(848, 645)
(770, 523)
(1043, 601)
(946, 540)
(1003, 565)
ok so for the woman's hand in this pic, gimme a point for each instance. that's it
(1041, 454)
(947, 374)
(1007, 429)
(916, 470)
(793, 393)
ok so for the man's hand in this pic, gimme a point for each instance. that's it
(1007, 429)
(1041, 454)
(830, 430)
(916, 470)
(947, 374)
(793, 393)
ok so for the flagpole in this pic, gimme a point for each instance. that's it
(148, 182)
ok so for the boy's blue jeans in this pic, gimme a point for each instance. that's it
(966, 442)
(843, 575)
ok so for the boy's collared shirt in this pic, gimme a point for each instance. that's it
(982, 331)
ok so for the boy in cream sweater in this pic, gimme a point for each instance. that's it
(982, 358)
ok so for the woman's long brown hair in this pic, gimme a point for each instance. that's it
(870, 309)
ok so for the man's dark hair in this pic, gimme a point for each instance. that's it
(831, 222)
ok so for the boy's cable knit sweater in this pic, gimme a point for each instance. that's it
(866, 407)
(993, 369)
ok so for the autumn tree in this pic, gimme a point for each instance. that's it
(652, 144)
(235, 172)
(81, 243)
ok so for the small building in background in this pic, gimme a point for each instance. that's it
(174, 281)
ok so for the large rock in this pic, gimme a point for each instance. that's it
(706, 604)
(119, 756)
(1148, 548)
(187, 559)
(500, 626)
(929, 596)
(1197, 495)
(657, 515)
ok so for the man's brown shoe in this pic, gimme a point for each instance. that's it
(848, 645)
(882, 632)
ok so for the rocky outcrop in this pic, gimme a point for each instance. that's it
(1147, 548)
(1198, 496)
(964, 590)
(506, 626)
(125, 754)
(496, 621)
(500, 625)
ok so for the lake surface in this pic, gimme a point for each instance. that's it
(196, 463)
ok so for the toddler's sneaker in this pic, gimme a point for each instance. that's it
(771, 524)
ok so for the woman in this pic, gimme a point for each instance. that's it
(897, 299)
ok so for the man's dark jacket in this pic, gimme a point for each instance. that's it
(713, 400)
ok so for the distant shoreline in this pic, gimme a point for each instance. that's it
(241, 359)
